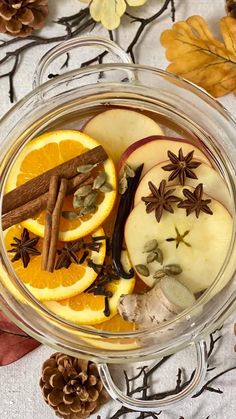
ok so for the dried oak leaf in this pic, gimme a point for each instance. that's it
(14, 343)
(199, 57)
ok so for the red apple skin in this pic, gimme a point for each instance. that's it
(146, 140)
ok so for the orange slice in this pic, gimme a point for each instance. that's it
(48, 151)
(116, 325)
(88, 309)
(60, 284)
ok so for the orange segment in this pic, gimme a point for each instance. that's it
(44, 153)
(60, 284)
(89, 309)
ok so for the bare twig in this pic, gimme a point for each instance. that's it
(145, 22)
(207, 387)
(74, 25)
(213, 342)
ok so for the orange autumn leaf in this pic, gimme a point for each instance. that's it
(199, 57)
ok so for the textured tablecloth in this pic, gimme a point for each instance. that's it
(20, 396)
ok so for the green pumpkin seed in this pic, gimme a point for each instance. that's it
(129, 171)
(157, 255)
(99, 180)
(173, 269)
(150, 246)
(88, 210)
(123, 185)
(106, 187)
(86, 168)
(151, 257)
(83, 190)
(159, 274)
(70, 215)
(142, 270)
(78, 201)
(91, 199)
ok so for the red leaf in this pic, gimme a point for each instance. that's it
(14, 343)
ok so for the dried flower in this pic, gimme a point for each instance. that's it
(109, 12)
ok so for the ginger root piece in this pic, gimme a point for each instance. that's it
(164, 301)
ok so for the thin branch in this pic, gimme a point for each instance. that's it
(146, 22)
(213, 342)
(206, 385)
(74, 25)
(66, 63)
(98, 58)
(179, 380)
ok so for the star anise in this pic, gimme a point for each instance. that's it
(67, 255)
(194, 201)
(24, 247)
(181, 166)
(160, 199)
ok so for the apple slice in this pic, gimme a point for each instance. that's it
(153, 150)
(200, 256)
(116, 129)
(213, 184)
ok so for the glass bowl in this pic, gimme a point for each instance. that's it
(68, 100)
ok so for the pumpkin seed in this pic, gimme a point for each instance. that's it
(78, 201)
(142, 270)
(88, 210)
(83, 190)
(106, 187)
(91, 199)
(151, 257)
(129, 171)
(173, 269)
(150, 246)
(70, 215)
(159, 274)
(157, 255)
(86, 168)
(99, 180)
(123, 185)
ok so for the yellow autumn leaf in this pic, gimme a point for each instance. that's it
(198, 56)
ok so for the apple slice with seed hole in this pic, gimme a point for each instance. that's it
(200, 255)
(153, 150)
(213, 184)
(117, 128)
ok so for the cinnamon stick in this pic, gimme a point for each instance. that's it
(56, 215)
(52, 197)
(40, 184)
(37, 205)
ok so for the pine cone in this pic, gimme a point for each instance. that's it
(72, 387)
(21, 17)
(231, 8)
